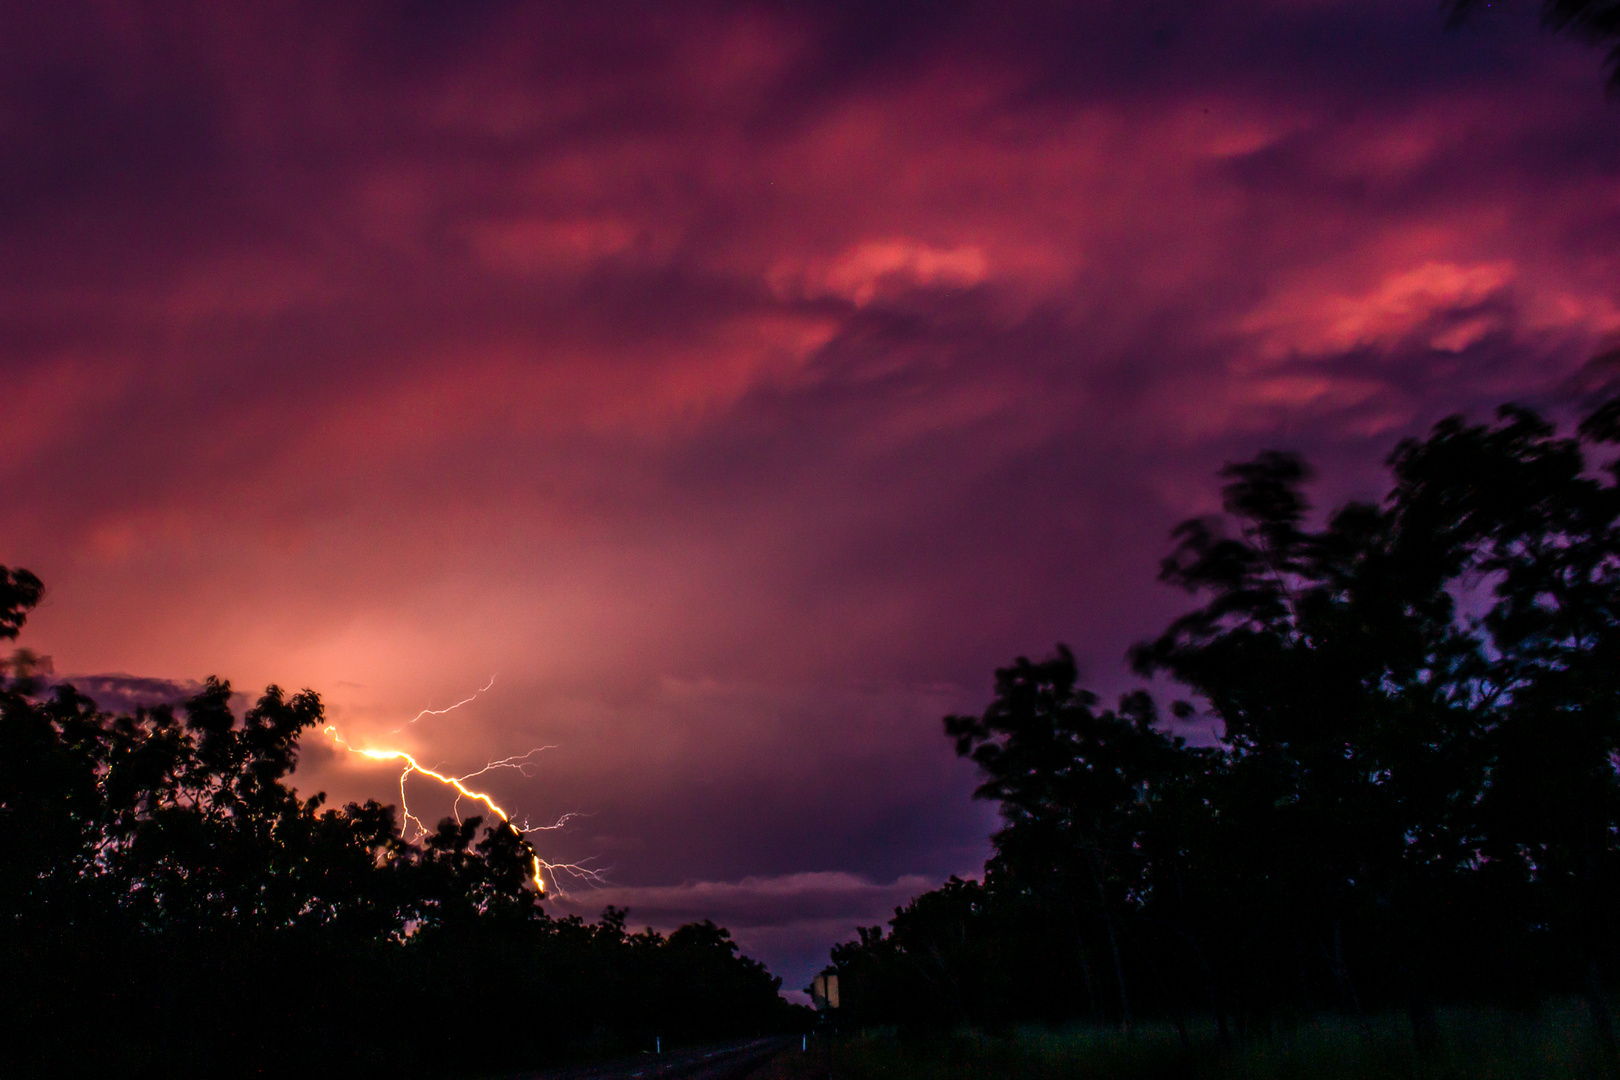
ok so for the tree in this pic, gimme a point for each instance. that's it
(168, 903)
(20, 591)
(1540, 522)
(1596, 22)
(1339, 672)
(1416, 794)
(1076, 787)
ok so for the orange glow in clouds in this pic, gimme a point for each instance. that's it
(458, 784)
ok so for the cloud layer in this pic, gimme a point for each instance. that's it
(790, 918)
(741, 384)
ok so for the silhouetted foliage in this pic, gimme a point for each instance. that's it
(1415, 796)
(170, 906)
(19, 592)
(1596, 22)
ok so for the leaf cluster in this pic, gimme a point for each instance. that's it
(1415, 792)
(168, 903)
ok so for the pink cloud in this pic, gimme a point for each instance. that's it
(858, 273)
(743, 383)
(1424, 297)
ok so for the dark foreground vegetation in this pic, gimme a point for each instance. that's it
(170, 907)
(1554, 1043)
(1414, 800)
(1412, 811)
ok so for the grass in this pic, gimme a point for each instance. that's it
(1551, 1044)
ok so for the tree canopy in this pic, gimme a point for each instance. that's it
(1596, 22)
(169, 905)
(1414, 796)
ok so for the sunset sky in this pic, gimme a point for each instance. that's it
(737, 385)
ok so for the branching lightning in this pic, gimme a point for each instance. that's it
(452, 708)
(521, 762)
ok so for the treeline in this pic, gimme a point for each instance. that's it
(169, 906)
(1414, 798)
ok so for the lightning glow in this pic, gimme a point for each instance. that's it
(451, 708)
(455, 782)
(458, 784)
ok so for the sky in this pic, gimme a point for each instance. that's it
(715, 394)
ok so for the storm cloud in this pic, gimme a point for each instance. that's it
(741, 383)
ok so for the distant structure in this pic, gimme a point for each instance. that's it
(824, 991)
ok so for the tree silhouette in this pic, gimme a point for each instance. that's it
(169, 904)
(1596, 22)
(1076, 787)
(1544, 529)
(19, 592)
(1416, 795)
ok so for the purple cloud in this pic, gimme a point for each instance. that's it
(742, 384)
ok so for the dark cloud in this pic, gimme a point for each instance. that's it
(755, 902)
(743, 383)
(789, 918)
(127, 693)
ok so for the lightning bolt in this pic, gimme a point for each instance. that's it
(452, 708)
(455, 782)
(538, 866)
